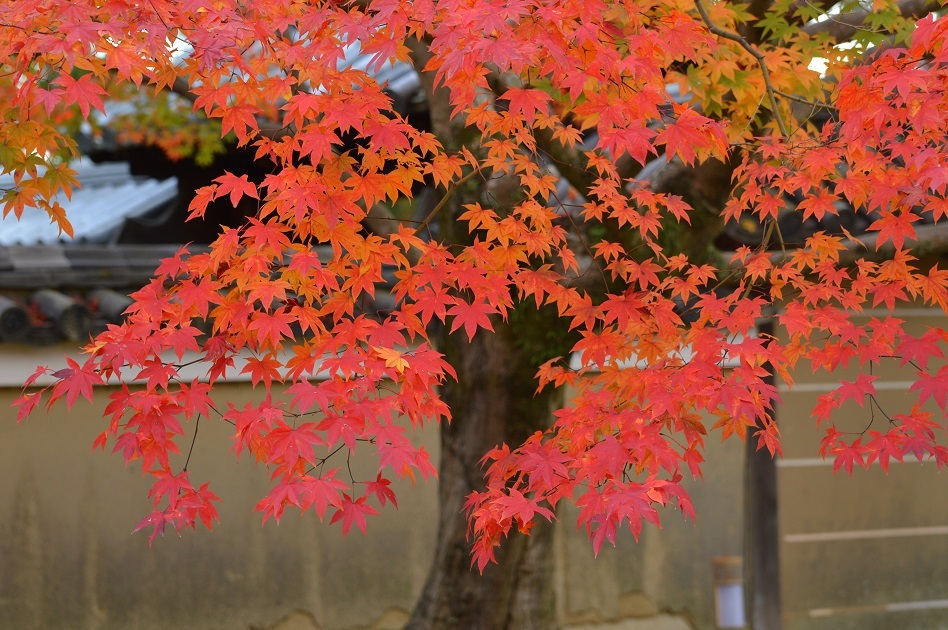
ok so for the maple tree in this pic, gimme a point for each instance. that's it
(667, 118)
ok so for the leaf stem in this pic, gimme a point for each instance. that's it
(197, 425)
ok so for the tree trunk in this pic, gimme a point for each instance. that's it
(492, 402)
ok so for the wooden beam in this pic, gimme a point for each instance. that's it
(761, 535)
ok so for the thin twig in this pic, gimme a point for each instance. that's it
(444, 200)
(798, 99)
(197, 425)
(764, 243)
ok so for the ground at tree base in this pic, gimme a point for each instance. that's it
(393, 619)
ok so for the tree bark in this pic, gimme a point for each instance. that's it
(492, 402)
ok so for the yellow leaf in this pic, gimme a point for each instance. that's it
(393, 358)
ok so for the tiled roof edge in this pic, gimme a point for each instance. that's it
(69, 266)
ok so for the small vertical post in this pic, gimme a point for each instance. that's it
(728, 580)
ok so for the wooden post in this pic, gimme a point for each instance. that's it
(761, 535)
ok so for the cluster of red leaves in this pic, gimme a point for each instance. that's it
(884, 154)
(645, 379)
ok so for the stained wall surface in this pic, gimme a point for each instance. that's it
(69, 559)
(870, 550)
(860, 551)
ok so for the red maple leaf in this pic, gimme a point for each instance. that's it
(883, 446)
(75, 381)
(271, 327)
(471, 316)
(527, 102)
(857, 390)
(83, 91)
(919, 350)
(236, 186)
(322, 492)
(895, 227)
(353, 513)
(382, 490)
(932, 386)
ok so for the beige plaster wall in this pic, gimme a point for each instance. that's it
(867, 551)
(68, 559)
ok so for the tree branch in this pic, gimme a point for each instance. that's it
(803, 101)
(381, 221)
(182, 88)
(842, 28)
(447, 195)
(796, 14)
(759, 56)
(930, 240)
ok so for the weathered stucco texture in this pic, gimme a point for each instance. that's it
(69, 559)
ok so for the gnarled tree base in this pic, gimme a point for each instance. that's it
(496, 404)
